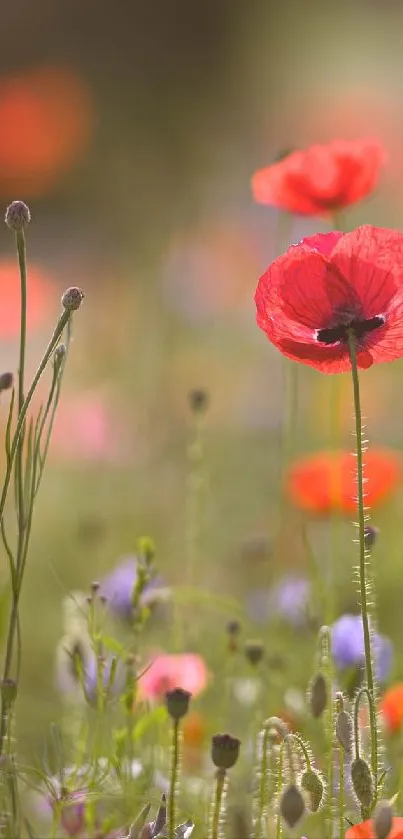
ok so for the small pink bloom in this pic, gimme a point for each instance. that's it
(72, 816)
(84, 429)
(186, 670)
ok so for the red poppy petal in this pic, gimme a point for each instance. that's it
(371, 259)
(325, 243)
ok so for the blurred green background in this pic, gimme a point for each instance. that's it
(150, 212)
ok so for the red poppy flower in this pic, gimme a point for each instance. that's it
(326, 482)
(365, 830)
(391, 707)
(46, 121)
(322, 179)
(40, 294)
(311, 296)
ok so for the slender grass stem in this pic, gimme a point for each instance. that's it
(362, 552)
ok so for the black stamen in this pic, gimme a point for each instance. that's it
(340, 333)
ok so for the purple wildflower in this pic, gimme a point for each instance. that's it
(288, 599)
(119, 585)
(347, 645)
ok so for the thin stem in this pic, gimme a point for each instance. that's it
(279, 825)
(362, 553)
(263, 771)
(341, 790)
(217, 803)
(20, 241)
(173, 780)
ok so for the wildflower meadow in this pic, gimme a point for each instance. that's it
(201, 442)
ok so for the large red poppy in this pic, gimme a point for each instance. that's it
(326, 481)
(311, 296)
(321, 179)
(365, 830)
(46, 118)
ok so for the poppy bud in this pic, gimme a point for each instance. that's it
(370, 536)
(361, 780)
(224, 750)
(177, 702)
(312, 784)
(6, 381)
(72, 299)
(198, 400)
(318, 695)
(254, 651)
(58, 356)
(17, 215)
(292, 805)
(344, 730)
(233, 627)
(383, 820)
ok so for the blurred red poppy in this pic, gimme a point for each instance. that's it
(325, 482)
(41, 296)
(321, 179)
(46, 118)
(365, 830)
(331, 284)
(391, 707)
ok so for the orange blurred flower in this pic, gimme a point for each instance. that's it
(194, 737)
(391, 707)
(46, 119)
(40, 294)
(325, 482)
(365, 830)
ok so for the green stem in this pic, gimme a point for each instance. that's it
(279, 825)
(362, 553)
(263, 771)
(173, 780)
(341, 790)
(221, 776)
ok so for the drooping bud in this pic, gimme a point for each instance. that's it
(6, 381)
(383, 820)
(177, 702)
(58, 356)
(312, 784)
(318, 695)
(224, 750)
(361, 780)
(254, 651)
(292, 805)
(72, 299)
(198, 400)
(344, 730)
(370, 536)
(17, 215)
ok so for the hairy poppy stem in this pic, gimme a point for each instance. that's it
(173, 781)
(363, 556)
(218, 799)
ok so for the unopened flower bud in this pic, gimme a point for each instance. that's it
(177, 702)
(254, 651)
(17, 215)
(58, 356)
(370, 535)
(198, 400)
(72, 299)
(224, 750)
(72, 813)
(233, 627)
(312, 784)
(95, 586)
(361, 780)
(344, 730)
(318, 695)
(6, 381)
(8, 689)
(292, 805)
(383, 820)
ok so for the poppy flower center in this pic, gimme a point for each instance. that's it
(340, 332)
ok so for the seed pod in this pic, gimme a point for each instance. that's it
(361, 780)
(254, 651)
(17, 215)
(72, 299)
(344, 730)
(311, 783)
(177, 702)
(292, 805)
(224, 750)
(383, 820)
(318, 695)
